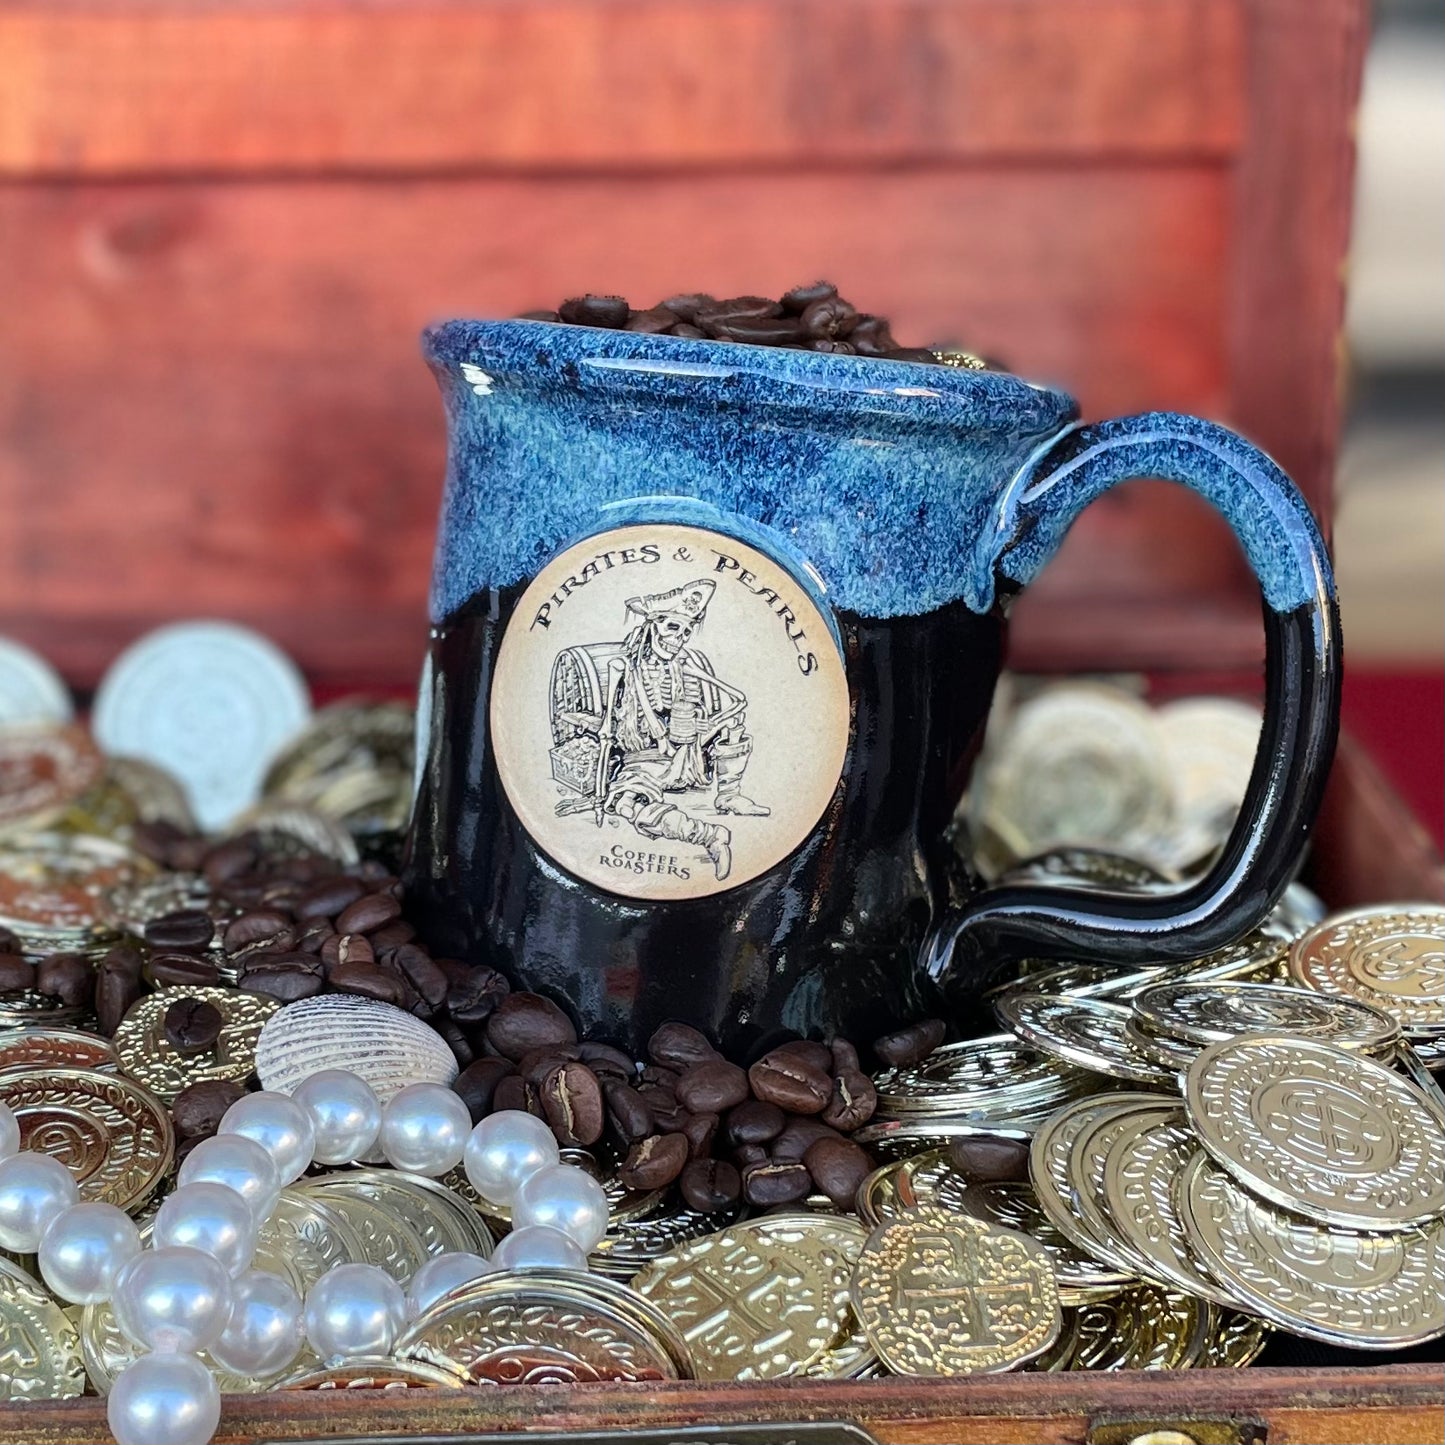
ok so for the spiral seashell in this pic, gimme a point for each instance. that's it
(378, 1042)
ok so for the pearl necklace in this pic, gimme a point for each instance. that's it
(194, 1290)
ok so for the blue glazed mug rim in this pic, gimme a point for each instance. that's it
(555, 356)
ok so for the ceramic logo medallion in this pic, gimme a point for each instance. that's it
(669, 712)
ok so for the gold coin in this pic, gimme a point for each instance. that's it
(1392, 957)
(149, 1058)
(630, 1245)
(759, 1300)
(1318, 1130)
(439, 1218)
(385, 1374)
(880, 1198)
(303, 1238)
(1362, 1291)
(852, 1357)
(1086, 1032)
(114, 1136)
(1059, 1354)
(1143, 1328)
(52, 886)
(536, 1327)
(43, 768)
(943, 1294)
(1237, 1340)
(387, 1239)
(41, 1358)
(56, 1047)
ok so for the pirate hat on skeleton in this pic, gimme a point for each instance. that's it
(688, 602)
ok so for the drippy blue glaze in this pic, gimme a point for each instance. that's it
(899, 487)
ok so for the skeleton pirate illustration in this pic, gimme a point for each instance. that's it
(638, 722)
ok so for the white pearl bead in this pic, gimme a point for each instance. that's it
(263, 1335)
(424, 1129)
(354, 1309)
(209, 1217)
(83, 1250)
(238, 1163)
(34, 1190)
(164, 1399)
(563, 1197)
(9, 1132)
(440, 1276)
(504, 1149)
(172, 1299)
(345, 1114)
(279, 1125)
(535, 1246)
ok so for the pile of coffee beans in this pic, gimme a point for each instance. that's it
(807, 318)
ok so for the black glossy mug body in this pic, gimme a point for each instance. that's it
(715, 634)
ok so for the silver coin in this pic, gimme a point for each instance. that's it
(31, 691)
(1088, 1033)
(993, 1078)
(1209, 746)
(210, 701)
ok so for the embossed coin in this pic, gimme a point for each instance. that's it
(56, 1048)
(1363, 1291)
(44, 768)
(1205, 1013)
(149, 1057)
(534, 1327)
(1318, 1130)
(1085, 1032)
(439, 1218)
(851, 1358)
(880, 1195)
(31, 691)
(758, 1300)
(992, 1078)
(1392, 957)
(1144, 1328)
(387, 1374)
(1237, 1340)
(387, 1239)
(1169, 1053)
(630, 1245)
(113, 1136)
(1141, 1178)
(943, 1294)
(41, 1357)
(304, 1237)
(52, 886)
(130, 906)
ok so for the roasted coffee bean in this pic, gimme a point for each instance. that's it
(572, 1104)
(417, 967)
(474, 1000)
(200, 1107)
(755, 1122)
(514, 1092)
(181, 970)
(990, 1158)
(757, 330)
(368, 914)
(329, 897)
(688, 332)
(396, 934)
(456, 971)
(797, 301)
(536, 1065)
(686, 307)
(701, 1130)
(713, 1087)
(607, 1062)
(666, 1111)
(830, 319)
(67, 977)
(845, 1056)
(314, 939)
(799, 1134)
(538, 316)
(655, 1162)
(526, 1021)
(609, 311)
(627, 1111)
(652, 322)
(187, 930)
(710, 1185)
(456, 1041)
(15, 972)
(228, 861)
(736, 308)
(477, 1083)
(246, 890)
(911, 1045)
(871, 336)
(261, 925)
(918, 354)
(775, 1182)
(852, 1102)
(10, 941)
(838, 1167)
(367, 980)
(663, 1077)
(833, 348)
(283, 976)
(117, 987)
(680, 1046)
(192, 1026)
(188, 854)
(791, 1082)
(746, 1154)
(816, 1056)
(154, 839)
(346, 948)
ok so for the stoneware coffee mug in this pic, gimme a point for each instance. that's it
(715, 633)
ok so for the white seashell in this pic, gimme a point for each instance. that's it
(378, 1042)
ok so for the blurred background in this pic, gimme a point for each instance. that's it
(222, 226)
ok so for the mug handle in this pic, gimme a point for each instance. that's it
(1301, 715)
